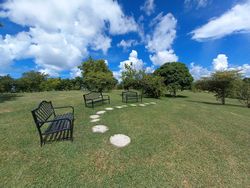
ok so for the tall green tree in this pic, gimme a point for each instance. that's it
(77, 83)
(221, 83)
(50, 84)
(31, 81)
(132, 78)
(176, 76)
(97, 76)
(6, 83)
(65, 84)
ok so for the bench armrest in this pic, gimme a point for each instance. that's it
(106, 96)
(73, 110)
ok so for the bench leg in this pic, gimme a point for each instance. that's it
(71, 131)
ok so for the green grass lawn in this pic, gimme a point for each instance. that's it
(189, 141)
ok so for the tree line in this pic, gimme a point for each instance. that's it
(97, 76)
(33, 81)
(170, 77)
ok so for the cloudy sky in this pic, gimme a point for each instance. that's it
(55, 36)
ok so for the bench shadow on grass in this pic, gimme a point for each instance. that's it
(216, 104)
(8, 97)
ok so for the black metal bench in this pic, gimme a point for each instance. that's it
(95, 97)
(51, 126)
(131, 96)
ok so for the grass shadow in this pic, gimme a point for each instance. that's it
(216, 104)
(97, 104)
(177, 96)
(8, 97)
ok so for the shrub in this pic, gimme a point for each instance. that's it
(152, 85)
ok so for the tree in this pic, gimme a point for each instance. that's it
(6, 83)
(247, 80)
(243, 91)
(153, 86)
(50, 84)
(96, 75)
(221, 83)
(77, 83)
(31, 81)
(65, 84)
(131, 78)
(176, 76)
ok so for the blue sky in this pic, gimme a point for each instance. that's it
(55, 38)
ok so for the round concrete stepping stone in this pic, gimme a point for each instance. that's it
(153, 103)
(100, 129)
(142, 105)
(109, 108)
(124, 106)
(94, 116)
(119, 107)
(147, 103)
(100, 112)
(119, 140)
(133, 105)
(94, 120)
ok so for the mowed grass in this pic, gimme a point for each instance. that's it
(188, 141)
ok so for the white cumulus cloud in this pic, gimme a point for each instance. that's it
(148, 7)
(162, 38)
(60, 34)
(132, 61)
(236, 20)
(196, 3)
(135, 63)
(164, 33)
(75, 72)
(243, 69)
(198, 71)
(125, 44)
(162, 57)
(220, 63)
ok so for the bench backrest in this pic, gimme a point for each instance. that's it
(43, 112)
(92, 95)
(129, 93)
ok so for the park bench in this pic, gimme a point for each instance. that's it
(131, 96)
(52, 126)
(95, 97)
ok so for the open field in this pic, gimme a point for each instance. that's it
(189, 141)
